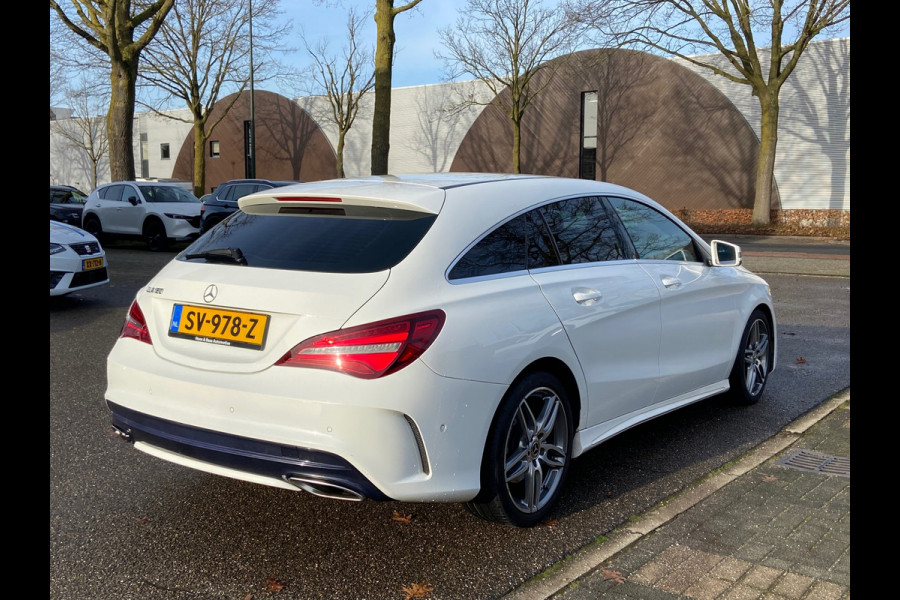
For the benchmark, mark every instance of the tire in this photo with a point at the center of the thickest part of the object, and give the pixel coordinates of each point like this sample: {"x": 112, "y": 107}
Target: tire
{"x": 155, "y": 236}
{"x": 753, "y": 362}
{"x": 92, "y": 226}
{"x": 528, "y": 453}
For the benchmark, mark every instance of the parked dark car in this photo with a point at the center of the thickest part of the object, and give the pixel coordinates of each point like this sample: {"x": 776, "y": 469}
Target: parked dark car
{"x": 66, "y": 204}
{"x": 223, "y": 200}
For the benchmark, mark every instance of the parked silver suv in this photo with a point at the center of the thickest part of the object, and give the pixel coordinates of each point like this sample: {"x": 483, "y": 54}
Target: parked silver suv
{"x": 158, "y": 212}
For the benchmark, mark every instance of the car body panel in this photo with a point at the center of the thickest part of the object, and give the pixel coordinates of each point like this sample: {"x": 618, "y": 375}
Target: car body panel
{"x": 299, "y": 304}
{"x": 615, "y": 331}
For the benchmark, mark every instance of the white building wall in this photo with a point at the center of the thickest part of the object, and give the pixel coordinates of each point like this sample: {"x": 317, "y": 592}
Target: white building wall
{"x": 812, "y": 161}
{"x": 428, "y": 123}
{"x": 171, "y": 130}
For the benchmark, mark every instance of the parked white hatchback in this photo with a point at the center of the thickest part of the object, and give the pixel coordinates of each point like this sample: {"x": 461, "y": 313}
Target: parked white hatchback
{"x": 448, "y": 337}
{"x": 155, "y": 211}
{"x": 77, "y": 260}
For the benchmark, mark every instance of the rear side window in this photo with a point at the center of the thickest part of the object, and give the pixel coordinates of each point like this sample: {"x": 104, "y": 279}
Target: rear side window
{"x": 582, "y": 230}
{"x": 340, "y": 240}
{"x": 516, "y": 245}
{"x": 655, "y": 236}
{"x": 239, "y": 190}
{"x": 112, "y": 192}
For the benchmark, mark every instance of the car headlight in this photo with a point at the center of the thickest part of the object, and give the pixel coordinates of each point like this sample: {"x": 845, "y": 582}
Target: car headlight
{"x": 56, "y": 248}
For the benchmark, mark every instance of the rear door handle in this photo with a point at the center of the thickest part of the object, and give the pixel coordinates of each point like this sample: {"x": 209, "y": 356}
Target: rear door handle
{"x": 671, "y": 282}
{"x": 586, "y": 296}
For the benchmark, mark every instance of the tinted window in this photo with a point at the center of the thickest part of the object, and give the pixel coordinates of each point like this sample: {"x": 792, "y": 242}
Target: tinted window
{"x": 112, "y": 192}
{"x": 517, "y": 245}
{"x": 240, "y": 190}
{"x": 654, "y": 235}
{"x": 582, "y": 230}
{"x": 330, "y": 241}
{"x": 167, "y": 193}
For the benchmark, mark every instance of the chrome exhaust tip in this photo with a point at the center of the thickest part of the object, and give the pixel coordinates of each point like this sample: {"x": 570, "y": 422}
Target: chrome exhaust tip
{"x": 125, "y": 434}
{"x": 324, "y": 489}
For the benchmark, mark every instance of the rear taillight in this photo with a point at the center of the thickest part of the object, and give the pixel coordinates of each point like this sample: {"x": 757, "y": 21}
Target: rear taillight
{"x": 136, "y": 325}
{"x": 371, "y": 350}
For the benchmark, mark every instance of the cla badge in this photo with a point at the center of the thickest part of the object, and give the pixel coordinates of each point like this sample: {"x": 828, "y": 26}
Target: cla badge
{"x": 210, "y": 294}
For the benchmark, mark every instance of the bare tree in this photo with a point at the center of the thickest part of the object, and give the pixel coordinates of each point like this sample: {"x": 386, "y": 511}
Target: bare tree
{"x": 346, "y": 78}
{"x": 111, "y": 27}
{"x": 84, "y": 131}
{"x": 702, "y": 31}
{"x": 507, "y": 44}
{"x": 202, "y": 53}
{"x": 385, "y": 12}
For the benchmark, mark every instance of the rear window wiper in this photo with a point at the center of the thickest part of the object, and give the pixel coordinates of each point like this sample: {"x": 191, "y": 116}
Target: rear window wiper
{"x": 220, "y": 255}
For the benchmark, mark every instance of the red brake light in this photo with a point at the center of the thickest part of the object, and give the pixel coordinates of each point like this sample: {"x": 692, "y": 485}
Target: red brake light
{"x": 306, "y": 199}
{"x": 136, "y": 325}
{"x": 369, "y": 351}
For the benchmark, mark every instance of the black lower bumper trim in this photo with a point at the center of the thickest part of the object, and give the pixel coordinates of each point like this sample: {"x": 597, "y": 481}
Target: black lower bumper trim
{"x": 249, "y": 455}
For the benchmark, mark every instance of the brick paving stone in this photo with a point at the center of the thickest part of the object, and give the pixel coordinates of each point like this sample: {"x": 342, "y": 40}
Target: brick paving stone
{"x": 708, "y": 588}
{"x": 753, "y": 551}
{"x": 730, "y": 569}
{"x": 761, "y": 577}
{"x": 792, "y": 586}
{"x": 825, "y": 590}
{"x": 742, "y": 592}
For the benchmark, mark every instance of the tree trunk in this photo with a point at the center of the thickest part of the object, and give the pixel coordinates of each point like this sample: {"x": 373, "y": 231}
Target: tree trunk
{"x": 120, "y": 119}
{"x": 765, "y": 166}
{"x": 199, "y": 158}
{"x": 384, "y": 54}
{"x": 517, "y": 144}
{"x": 340, "y": 154}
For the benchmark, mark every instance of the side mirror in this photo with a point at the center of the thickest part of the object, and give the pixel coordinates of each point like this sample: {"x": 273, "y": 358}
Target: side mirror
{"x": 134, "y": 200}
{"x": 725, "y": 254}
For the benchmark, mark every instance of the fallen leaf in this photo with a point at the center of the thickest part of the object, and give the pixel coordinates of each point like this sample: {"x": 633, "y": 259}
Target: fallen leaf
{"x": 273, "y": 585}
{"x": 418, "y": 590}
{"x": 248, "y": 597}
{"x": 550, "y": 523}
{"x": 143, "y": 521}
{"x": 800, "y": 360}
{"x": 611, "y": 575}
{"x": 402, "y": 518}
{"x": 769, "y": 478}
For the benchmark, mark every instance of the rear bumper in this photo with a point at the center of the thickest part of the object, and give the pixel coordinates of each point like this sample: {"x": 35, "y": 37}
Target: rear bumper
{"x": 413, "y": 436}
{"x": 315, "y": 471}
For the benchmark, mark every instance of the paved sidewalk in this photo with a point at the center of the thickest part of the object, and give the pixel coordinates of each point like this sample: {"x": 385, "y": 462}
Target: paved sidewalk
{"x": 772, "y": 525}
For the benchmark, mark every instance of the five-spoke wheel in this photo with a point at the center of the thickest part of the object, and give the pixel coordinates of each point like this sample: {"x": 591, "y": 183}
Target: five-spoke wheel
{"x": 528, "y": 454}
{"x": 752, "y": 363}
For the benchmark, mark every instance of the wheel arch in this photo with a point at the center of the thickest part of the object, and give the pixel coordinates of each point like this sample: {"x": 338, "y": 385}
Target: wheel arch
{"x": 152, "y": 219}
{"x": 566, "y": 377}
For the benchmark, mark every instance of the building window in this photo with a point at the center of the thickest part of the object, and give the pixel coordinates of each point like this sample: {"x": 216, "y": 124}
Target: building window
{"x": 164, "y": 151}
{"x": 214, "y": 149}
{"x": 588, "y": 167}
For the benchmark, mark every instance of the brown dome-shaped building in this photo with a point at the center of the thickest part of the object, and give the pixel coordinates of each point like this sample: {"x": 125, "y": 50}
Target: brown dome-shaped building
{"x": 630, "y": 118}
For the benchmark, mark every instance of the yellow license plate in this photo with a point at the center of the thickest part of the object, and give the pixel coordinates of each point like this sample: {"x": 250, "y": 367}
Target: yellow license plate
{"x": 219, "y": 326}
{"x": 92, "y": 263}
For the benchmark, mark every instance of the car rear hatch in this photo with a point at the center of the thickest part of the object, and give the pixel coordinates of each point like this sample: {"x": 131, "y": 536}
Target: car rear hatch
{"x": 293, "y": 263}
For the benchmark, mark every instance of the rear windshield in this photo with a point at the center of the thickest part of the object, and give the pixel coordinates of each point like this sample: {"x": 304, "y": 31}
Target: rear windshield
{"x": 336, "y": 241}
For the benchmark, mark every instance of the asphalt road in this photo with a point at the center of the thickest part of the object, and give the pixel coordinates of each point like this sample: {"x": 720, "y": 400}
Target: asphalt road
{"x": 124, "y": 525}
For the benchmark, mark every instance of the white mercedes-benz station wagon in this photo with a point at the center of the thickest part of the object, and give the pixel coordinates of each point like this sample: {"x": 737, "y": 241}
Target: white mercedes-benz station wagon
{"x": 453, "y": 337}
